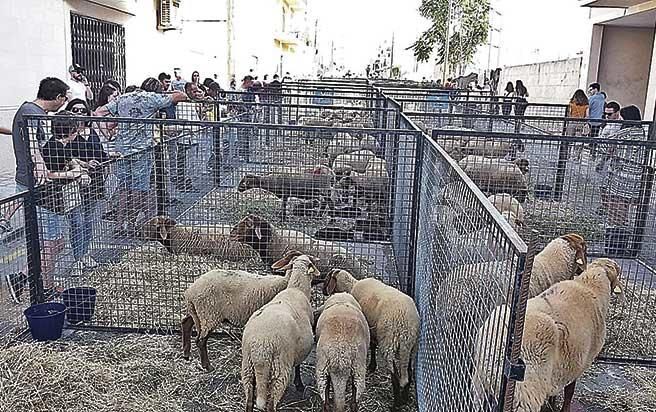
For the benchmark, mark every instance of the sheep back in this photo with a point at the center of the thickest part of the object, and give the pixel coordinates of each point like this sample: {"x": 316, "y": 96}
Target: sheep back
{"x": 229, "y": 296}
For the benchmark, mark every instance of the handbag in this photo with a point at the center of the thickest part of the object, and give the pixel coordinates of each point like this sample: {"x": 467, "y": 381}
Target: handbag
{"x": 60, "y": 198}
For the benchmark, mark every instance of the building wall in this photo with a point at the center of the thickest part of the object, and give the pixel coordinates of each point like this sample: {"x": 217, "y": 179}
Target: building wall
{"x": 624, "y": 64}
{"x": 547, "y": 82}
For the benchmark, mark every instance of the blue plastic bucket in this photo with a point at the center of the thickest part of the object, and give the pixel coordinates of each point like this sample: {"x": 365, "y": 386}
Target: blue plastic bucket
{"x": 80, "y": 303}
{"x": 46, "y": 320}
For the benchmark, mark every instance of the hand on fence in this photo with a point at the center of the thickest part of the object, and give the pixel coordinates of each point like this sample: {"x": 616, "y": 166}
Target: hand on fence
{"x": 85, "y": 180}
{"x": 40, "y": 173}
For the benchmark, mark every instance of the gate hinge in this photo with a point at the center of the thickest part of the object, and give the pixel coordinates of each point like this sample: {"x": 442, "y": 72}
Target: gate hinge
{"x": 515, "y": 371}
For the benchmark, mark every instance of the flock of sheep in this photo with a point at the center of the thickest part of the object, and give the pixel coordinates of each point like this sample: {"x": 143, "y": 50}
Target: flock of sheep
{"x": 565, "y": 318}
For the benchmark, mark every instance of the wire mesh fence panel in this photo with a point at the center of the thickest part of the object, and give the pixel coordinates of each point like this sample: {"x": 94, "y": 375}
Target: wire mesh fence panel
{"x": 467, "y": 267}
{"x": 600, "y": 188}
{"x": 139, "y": 226}
{"x": 15, "y": 291}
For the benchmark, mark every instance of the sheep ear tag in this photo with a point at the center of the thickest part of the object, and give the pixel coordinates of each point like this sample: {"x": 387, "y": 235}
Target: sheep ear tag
{"x": 617, "y": 290}
{"x": 579, "y": 261}
{"x": 258, "y": 233}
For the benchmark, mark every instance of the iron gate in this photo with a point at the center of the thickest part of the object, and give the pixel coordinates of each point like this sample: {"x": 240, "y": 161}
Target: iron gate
{"x": 98, "y": 46}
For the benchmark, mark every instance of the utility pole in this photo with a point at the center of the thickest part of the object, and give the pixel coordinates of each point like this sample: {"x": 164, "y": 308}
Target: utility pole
{"x": 392, "y": 57}
{"x": 447, "y": 38}
{"x": 230, "y": 69}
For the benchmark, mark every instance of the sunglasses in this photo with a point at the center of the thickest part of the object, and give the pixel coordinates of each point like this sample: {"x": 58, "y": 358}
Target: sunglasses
{"x": 79, "y": 110}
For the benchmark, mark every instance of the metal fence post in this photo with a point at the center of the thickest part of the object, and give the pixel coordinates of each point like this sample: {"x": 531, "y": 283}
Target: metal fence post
{"x": 414, "y": 218}
{"x": 514, "y": 367}
{"x": 646, "y": 190}
{"x": 160, "y": 185}
{"x": 32, "y": 243}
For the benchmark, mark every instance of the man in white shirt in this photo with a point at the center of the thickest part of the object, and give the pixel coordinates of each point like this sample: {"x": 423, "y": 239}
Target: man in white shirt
{"x": 79, "y": 84}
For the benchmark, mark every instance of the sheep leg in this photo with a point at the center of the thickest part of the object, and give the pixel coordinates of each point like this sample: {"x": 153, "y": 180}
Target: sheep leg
{"x": 187, "y": 325}
{"x": 396, "y": 387}
{"x": 567, "y": 399}
{"x": 298, "y": 382}
{"x": 354, "y": 396}
{"x": 326, "y": 406}
{"x": 372, "y": 361}
{"x": 552, "y": 403}
{"x": 204, "y": 358}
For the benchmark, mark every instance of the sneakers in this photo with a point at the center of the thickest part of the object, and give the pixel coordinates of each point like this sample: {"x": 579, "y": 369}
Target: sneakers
{"x": 89, "y": 262}
{"x": 15, "y": 284}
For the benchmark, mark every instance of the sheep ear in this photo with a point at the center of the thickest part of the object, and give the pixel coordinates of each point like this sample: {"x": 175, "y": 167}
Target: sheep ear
{"x": 330, "y": 285}
{"x": 578, "y": 244}
{"x": 284, "y": 263}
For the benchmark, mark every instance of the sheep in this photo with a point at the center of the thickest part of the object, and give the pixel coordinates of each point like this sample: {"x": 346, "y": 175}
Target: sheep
{"x": 394, "y": 323}
{"x": 484, "y": 146}
{"x": 564, "y": 331}
{"x": 504, "y": 202}
{"x": 562, "y": 259}
{"x": 497, "y": 175}
{"x": 278, "y": 337}
{"x": 302, "y": 186}
{"x": 345, "y": 143}
{"x": 220, "y": 296}
{"x": 372, "y": 184}
{"x": 209, "y": 240}
{"x": 342, "y": 346}
{"x": 271, "y": 243}
{"x": 355, "y": 161}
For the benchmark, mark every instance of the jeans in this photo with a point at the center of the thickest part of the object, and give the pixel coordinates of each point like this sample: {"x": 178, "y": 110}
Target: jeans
{"x": 82, "y": 224}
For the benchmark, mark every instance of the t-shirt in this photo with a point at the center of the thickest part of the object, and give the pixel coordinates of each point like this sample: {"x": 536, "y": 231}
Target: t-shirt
{"x": 87, "y": 150}
{"x": 56, "y": 156}
{"x": 577, "y": 110}
{"x": 134, "y": 137}
{"x": 20, "y": 149}
{"x": 597, "y": 106}
{"x": 78, "y": 90}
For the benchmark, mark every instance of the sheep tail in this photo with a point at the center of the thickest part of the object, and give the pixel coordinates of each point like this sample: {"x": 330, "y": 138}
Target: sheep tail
{"x": 262, "y": 361}
{"x": 405, "y": 353}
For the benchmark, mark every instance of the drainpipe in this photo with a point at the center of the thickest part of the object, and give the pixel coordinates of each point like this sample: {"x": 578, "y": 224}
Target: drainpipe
{"x": 230, "y": 37}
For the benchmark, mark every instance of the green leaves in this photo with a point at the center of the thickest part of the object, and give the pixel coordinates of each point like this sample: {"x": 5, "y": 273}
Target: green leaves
{"x": 469, "y": 29}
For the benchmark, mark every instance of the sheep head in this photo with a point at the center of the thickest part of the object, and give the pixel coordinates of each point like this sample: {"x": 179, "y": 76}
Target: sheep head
{"x": 523, "y": 165}
{"x": 330, "y": 283}
{"x": 613, "y": 271}
{"x": 580, "y": 246}
{"x": 249, "y": 181}
{"x": 252, "y": 230}
{"x": 293, "y": 258}
{"x": 158, "y": 228}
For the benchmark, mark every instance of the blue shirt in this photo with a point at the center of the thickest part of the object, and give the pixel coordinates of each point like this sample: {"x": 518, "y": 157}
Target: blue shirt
{"x": 597, "y": 105}
{"x": 134, "y": 137}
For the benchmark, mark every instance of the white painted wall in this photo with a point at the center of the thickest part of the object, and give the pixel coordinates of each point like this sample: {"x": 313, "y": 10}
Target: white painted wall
{"x": 547, "y": 82}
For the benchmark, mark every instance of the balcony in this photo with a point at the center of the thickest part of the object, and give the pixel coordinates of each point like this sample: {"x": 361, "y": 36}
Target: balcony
{"x": 617, "y": 4}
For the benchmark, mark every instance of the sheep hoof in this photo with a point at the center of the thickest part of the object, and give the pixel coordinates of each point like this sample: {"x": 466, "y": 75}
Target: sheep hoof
{"x": 208, "y": 368}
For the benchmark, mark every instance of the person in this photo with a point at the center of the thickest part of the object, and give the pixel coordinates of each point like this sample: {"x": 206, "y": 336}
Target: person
{"x": 165, "y": 79}
{"x": 625, "y": 170}
{"x": 62, "y": 197}
{"x": 134, "y": 143}
{"x": 508, "y": 97}
{"x": 131, "y": 88}
{"x": 521, "y": 98}
{"x": 195, "y": 78}
{"x": 287, "y": 78}
{"x": 191, "y": 110}
{"x": 596, "y": 109}
{"x": 79, "y": 85}
{"x": 51, "y": 96}
{"x": 87, "y": 148}
{"x": 612, "y": 125}
{"x": 275, "y": 96}
{"x": 179, "y": 82}
{"x": 5, "y": 130}
{"x": 577, "y": 109}
{"x": 113, "y": 83}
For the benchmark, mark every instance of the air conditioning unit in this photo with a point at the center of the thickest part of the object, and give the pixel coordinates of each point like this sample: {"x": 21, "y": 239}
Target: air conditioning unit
{"x": 169, "y": 15}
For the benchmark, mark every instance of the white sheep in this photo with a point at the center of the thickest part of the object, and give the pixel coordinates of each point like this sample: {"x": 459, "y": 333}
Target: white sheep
{"x": 195, "y": 240}
{"x": 221, "y": 296}
{"x": 562, "y": 259}
{"x": 393, "y": 321}
{"x": 278, "y": 337}
{"x": 497, "y": 175}
{"x": 272, "y": 243}
{"x": 506, "y": 203}
{"x": 342, "y": 346}
{"x": 355, "y": 161}
{"x": 564, "y": 331}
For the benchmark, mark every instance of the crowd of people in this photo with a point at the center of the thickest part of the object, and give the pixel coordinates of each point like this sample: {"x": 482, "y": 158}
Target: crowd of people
{"x": 65, "y": 158}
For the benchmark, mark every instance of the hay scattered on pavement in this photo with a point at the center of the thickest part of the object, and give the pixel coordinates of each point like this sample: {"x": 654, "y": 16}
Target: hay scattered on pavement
{"x": 618, "y": 388}
{"x": 98, "y": 372}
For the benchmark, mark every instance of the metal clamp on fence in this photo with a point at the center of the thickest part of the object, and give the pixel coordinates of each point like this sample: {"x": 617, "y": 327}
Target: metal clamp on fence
{"x": 514, "y": 371}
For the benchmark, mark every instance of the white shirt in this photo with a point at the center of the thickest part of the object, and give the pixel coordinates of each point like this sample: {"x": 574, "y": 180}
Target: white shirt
{"x": 78, "y": 90}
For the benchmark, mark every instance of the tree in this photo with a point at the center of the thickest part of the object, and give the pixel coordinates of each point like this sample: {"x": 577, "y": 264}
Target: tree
{"x": 469, "y": 29}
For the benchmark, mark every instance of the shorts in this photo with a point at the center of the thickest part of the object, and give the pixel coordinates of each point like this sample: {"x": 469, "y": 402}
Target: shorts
{"x": 133, "y": 172}
{"x": 51, "y": 225}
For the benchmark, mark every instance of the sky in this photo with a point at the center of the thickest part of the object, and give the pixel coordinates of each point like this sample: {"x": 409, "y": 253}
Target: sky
{"x": 531, "y": 30}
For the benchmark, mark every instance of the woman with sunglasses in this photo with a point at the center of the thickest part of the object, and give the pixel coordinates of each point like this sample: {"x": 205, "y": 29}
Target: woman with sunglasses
{"x": 88, "y": 148}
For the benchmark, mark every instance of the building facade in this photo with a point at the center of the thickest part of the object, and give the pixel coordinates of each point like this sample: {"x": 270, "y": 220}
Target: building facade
{"x": 621, "y": 55}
